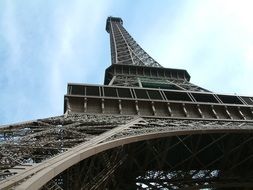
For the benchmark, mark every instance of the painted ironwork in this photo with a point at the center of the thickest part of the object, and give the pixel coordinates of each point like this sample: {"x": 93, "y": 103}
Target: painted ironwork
{"x": 147, "y": 127}
{"x": 124, "y": 49}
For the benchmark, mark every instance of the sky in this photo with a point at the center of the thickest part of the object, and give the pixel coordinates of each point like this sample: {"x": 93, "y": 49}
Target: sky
{"x": 46, "y": 44}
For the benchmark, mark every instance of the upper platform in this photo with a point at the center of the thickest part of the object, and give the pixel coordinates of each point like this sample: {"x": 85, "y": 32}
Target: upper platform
{"x": 147, "y": 72}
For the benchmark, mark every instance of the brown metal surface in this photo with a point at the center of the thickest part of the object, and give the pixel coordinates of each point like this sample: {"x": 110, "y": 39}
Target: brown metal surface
{"x": 147, "y": 127}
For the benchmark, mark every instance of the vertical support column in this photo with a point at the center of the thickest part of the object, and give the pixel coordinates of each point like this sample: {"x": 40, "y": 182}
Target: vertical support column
{"x": 85, "y": 105}
{"x": 169, "y": 109}
{"x": 68, "y": 108}
{"x": 103, "y": 105}
{"x": 120, "y": 107}
{"x": 251, "y": 110}
{"x": 114, "y": 44}
{"x": 137, "y": 107}
{"x": 153, "y": 108}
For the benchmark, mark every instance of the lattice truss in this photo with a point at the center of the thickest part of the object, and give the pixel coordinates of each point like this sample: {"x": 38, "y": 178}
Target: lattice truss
{"x": 29, "y": 143}
{"x": 179, "y": 153}
{"x": 126, "y": 81}
{"x": 124, "y": 48}
{"x": 180, "y": 161}
{"x": 183, "y": 160}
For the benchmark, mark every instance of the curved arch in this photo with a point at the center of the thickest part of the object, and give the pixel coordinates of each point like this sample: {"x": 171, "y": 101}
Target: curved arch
{"x": 58, "y": 164}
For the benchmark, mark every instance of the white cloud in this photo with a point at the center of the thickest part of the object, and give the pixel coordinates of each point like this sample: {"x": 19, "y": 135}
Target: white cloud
{"x": 35, "y": 77}
{"x": 212, "y": 40}
{"x": 12, "y": 35}
{"x": 76, "y": 27}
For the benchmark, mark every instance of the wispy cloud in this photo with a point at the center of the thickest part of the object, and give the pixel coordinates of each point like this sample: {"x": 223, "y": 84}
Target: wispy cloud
{"x": 212, "y": 40}
{"x": 46, "y": 47}
{"x": 46, "y": 44}
{"x": 75, "y": 37}
{"x": 11, "y": 36}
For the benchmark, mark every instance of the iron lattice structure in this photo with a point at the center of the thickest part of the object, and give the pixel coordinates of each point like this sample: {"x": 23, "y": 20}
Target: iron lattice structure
{"x": 147, "y": 127}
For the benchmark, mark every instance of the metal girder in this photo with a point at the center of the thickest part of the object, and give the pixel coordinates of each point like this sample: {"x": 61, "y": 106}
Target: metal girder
{"x": 124, "y": 49}
{"x": 33, "y": 143}
{"x": 151, "y": 164}
{"x": 45, "y": 145}
{"x": 63, "y": 133}
{"x": 148, "y": 127}
{"x": 82, "y": 98}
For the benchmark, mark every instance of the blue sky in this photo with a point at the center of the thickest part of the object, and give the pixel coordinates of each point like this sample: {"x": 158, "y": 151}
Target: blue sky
{"x": 45, "y": 44}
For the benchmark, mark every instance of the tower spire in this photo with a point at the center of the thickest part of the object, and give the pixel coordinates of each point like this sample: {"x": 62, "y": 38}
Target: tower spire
{"x": 124, "y": 49}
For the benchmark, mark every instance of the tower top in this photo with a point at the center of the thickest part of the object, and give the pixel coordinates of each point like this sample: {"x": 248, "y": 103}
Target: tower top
{"x": 112, "y": 19}
{"x": 124, "y": 49}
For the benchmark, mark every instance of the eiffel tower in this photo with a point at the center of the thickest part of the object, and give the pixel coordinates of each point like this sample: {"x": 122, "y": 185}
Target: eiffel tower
{"x": 148, "y": 127}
